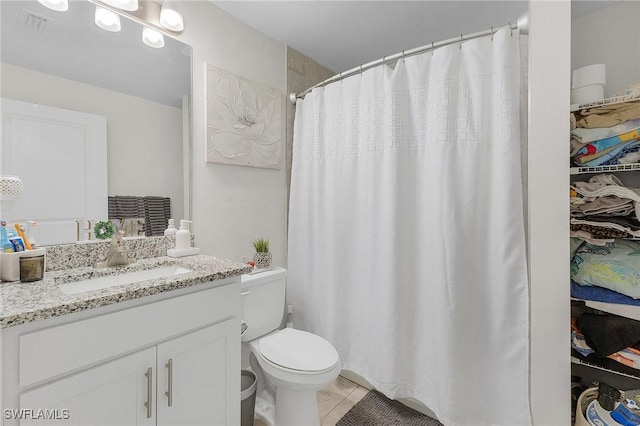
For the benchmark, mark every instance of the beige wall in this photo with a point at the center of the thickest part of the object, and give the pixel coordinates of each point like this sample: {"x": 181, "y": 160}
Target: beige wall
{"x": 233, "y": 205}
{"x": 143, "y": 158}
{"x": 302, "y": 73}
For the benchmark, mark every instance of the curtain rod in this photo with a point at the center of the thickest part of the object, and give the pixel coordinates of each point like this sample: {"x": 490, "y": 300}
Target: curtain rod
{"x": 522, "y": 23}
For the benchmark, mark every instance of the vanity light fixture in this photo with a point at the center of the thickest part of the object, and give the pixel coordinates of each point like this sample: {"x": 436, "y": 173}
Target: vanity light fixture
{"x": 128, "y": 5}
{"x": 152, "y": 38}
{"x": 107, "y": 20}
{"x": 57, "y": 5}
{"x": 170, "y": 16}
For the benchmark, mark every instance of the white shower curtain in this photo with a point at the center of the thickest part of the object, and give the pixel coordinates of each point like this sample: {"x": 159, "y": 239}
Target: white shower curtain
{"x": 406, "y": 235}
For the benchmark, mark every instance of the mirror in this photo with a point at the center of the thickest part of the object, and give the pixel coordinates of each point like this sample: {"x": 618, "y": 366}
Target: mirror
{"x": 64, "y": 61}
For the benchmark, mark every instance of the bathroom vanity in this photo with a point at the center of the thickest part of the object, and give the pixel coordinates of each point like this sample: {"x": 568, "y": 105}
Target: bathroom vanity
{"x": 161, "y": 351}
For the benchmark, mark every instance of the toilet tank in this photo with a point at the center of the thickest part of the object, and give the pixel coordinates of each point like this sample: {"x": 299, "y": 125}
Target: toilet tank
{"x": 263, "y": 295}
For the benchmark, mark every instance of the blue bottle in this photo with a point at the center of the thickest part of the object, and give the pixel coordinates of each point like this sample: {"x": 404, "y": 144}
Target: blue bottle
{"x": 5, "y": 244}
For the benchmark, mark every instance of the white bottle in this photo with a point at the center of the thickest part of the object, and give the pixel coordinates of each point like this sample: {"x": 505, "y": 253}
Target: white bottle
{"x": 183, "y": 236}
{"x": 171, "y": 229}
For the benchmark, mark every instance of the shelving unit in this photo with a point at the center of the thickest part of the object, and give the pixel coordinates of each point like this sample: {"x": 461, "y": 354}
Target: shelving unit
{"x": 579, "y": 170}
{"x": 627, "y": 311}
{"x": 577, "y": 361}
{"x": 594, "y": 373}
{"x": 608, "y": 101}
{"x": 588, "y": 371}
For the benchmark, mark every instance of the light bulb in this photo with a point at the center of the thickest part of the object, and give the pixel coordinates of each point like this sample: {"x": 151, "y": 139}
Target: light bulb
{"x": 107, "y": 20}
{"x": 152, "y": 38}
{"x": 57, "y": 5}
{"x": 170, "y": 16}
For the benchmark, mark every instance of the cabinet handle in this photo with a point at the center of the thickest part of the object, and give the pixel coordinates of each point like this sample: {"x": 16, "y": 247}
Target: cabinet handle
{"x": 149, "y": 377}
{"x": 169, "y": 392}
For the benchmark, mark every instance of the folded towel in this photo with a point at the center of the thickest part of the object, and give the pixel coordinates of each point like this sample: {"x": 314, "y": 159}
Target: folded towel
{"x": 600, "y": 294}
{"x": 608, "y": 334}
{"x": 584, "y": 136}
{"x": 601, "y": 144}
{"x": 612, "y": 155}
{"x": 593, "y": 239}
{"x": 156, "y": 211}
{"x": 609, "y": 205}
{"x": 629, "y": 228}
{"x": 603, "y": 185}
{"x": 608, "y": 115}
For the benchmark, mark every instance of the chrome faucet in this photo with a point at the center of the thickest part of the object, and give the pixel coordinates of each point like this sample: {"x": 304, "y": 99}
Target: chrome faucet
{"x": 117, "y": 255}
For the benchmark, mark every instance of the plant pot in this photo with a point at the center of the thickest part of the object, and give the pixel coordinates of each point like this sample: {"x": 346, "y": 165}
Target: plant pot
{"x": 262, "y": 259}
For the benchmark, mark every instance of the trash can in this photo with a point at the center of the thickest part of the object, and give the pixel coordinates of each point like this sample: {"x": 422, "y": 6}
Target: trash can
{"x": 247, "y": 397}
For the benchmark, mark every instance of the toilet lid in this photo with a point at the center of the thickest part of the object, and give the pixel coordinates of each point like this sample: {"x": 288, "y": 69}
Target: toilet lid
{"x": 298, "y": 350}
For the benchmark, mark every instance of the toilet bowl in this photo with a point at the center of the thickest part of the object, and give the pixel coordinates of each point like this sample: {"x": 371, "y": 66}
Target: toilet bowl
{"x": 291, "y": 365}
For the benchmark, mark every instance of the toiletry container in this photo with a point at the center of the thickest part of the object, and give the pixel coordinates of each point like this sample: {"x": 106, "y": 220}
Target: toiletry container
{"x": 33, "y": 268}
{"x": 183, "y": 236}
{"x": 32, "y": 265}
{"x": 183, "y": 242}
{"x": 171, "y": 228}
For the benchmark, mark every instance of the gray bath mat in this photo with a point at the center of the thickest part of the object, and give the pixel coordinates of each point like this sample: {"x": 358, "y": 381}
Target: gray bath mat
{"x": 376, "y": 409}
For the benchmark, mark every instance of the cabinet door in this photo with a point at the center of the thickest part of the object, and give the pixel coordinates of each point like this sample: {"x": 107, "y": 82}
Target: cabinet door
{"x": 201, "y": 373}
{"x": 114, "y": 393}
{"x": 70, "y": 145}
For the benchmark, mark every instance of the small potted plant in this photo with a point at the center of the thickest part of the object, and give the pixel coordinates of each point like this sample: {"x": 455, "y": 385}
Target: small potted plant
{"x": 262, "y": 256}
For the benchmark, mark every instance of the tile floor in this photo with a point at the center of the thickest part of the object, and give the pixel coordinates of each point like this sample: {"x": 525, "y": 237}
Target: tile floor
{"x": 335, "y": 401}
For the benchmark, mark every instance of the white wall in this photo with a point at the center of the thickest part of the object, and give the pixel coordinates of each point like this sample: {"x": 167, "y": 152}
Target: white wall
{"x": 548, "y": 211}
{"x": 144, "y": 138}
{"x": 610, "y": 36}
{"x": 232, "y": 205}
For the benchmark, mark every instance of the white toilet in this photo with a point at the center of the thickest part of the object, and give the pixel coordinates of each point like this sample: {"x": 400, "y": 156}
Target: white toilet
{"x": 291, "y": 365}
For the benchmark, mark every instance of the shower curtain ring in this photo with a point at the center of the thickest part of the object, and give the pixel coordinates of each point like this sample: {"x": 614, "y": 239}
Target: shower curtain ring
{"x": 403, "y": 56}
{"x": 432, "y": 49}
{"x": 461, "y": 41}
{"x": 492, "y": 33}
{"x": 360, "y": 70}
{"x": 511, "y": 28}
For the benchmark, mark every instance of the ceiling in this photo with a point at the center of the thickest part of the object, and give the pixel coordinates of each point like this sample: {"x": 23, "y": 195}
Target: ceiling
{"x": 337, "y": 34}
{"x": 344, "y": 34}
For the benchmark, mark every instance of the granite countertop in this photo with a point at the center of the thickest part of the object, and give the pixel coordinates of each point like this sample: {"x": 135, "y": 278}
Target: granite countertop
{"x": 32, "y": 301}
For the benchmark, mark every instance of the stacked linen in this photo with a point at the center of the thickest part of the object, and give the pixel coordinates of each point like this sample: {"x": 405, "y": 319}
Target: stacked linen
{"x": 603, "y": 208}
{"x": 155, "y": 211}
{"x": 606, "y": 135}
{"x": 614, "y": 266}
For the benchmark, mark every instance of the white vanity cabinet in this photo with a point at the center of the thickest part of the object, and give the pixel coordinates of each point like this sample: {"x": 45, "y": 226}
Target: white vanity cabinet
{"x": 113, "y": 393}
{"x": 192, "y": 377}
{"x": 167, "y": 359}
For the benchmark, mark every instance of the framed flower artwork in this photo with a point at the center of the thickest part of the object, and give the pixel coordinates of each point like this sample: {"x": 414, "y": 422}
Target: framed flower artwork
{"x": 244, "y": 121}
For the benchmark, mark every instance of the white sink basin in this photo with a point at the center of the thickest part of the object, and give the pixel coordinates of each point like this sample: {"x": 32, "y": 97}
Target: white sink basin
{"x": 98, "y": 283}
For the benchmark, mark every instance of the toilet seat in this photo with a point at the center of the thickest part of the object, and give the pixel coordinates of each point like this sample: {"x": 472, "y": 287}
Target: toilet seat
{"x": 298, "y": 350}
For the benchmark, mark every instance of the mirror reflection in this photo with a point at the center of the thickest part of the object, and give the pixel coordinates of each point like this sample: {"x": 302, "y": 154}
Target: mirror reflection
{"x": 110, "y": 114}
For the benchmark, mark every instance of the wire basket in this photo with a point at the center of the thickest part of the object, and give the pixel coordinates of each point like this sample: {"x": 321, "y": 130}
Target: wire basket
{"x": 10, "y": 188}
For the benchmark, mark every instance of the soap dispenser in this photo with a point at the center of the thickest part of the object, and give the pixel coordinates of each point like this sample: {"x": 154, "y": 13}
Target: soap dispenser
{"x": 183, "y": 236}
{"x": 171, "y": 228}
{"x": 183, "y": 242}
